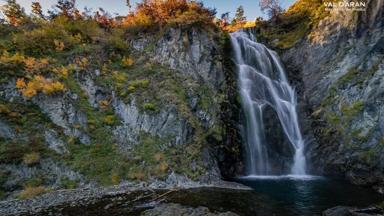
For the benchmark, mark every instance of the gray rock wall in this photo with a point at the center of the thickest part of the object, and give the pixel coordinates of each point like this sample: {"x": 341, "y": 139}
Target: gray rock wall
{"x": 341, "y": 67}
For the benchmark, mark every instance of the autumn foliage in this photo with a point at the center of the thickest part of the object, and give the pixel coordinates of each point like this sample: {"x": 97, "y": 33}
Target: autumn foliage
{"x": 155, "y": 13}
{"x": 38, "y": 84}
{"x": 47, "y": 49}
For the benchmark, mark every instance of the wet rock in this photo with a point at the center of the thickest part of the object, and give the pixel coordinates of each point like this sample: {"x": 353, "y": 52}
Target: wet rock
{"x": 351, "y": 211}
{"x": 170, "y": 209}
{"x": 118, "y": 200}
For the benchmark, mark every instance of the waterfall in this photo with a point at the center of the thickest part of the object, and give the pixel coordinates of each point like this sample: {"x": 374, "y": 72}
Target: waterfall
{"x": 262, "y": 83}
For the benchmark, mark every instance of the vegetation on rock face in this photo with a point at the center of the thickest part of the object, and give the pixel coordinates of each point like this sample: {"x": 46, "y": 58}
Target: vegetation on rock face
{"x": 289, "y": 27}
{"x": 52, "y": 57}
{"x": 30, "y": 192}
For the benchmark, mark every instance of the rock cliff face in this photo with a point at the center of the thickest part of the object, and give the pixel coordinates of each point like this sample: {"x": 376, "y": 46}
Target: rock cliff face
{"x": 340, "y": 65}
{"x": 163, "y": 121}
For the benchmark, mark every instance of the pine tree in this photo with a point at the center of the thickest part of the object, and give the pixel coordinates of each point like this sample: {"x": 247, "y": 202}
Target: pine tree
{"x": 239, "y": 16}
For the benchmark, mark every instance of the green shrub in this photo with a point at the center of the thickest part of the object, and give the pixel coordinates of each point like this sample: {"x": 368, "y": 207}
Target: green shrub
{"x": 149, "y": 106}
{"x": 32, "y": 158}
{"x": 67, "y": 183}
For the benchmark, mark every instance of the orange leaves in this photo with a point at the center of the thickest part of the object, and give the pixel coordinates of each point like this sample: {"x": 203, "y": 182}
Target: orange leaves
{"x": 20, "y": 83}
{"x": 33, "y": 65}
{"x": 38, "y": 84}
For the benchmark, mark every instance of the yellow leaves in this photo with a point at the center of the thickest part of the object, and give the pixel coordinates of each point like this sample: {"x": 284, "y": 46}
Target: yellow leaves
{"x": 127, "y": 61}
{"x": 237, "y": 26}
{"x": 50, "y": 88}
{"x": 7, "y": 58}
{"x": 82, "y": 63}
{"x": 249, "y": 24}
{"x": 4, "y": 109}
{"x": 63, "y": 71}
{"x": 163, "y": 167}
{"x": 109, "y": 120}
{"x": 59, "y": 45}
{"x": 119, "y": 77}
{"x": 31, "y": 65}
{"x": 115, "y": 178}
{"x": 104, "y": 69}
{"x": 38, "y": 84}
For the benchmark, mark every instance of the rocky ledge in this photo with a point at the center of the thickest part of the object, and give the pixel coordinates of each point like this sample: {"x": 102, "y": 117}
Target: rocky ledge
{"x": 351, "y": 211}
{"x": 132, "y": 200}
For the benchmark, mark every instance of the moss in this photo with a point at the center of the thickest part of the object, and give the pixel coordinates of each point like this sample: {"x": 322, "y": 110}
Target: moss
{"x": 351, "y": 111}
{"x": 150, "y": 107}
{"x": 3, "y": 179}
{"x": 357, "y": 135}
{"x": 348, "y": 77}
{"x": 158, "y": 161}
{"x": 97, "y": 118}
{"x": 97, "y": 161}
{"x": 67, "y": 183}
{"x": 27, "y": 121}
{"x": 369, "y": 156}
{"x": 381, "y": 143}
{"x": 34, "y": 182}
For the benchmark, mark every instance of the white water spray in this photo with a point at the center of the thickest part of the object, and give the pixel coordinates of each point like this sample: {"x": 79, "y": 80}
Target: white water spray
{"x": 262, "y": 83}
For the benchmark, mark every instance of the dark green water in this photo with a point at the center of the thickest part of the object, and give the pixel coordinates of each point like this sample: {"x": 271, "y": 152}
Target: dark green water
{"x": 310, "y": 196}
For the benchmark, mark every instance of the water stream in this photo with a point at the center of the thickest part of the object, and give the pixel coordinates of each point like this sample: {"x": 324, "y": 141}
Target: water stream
{"x": 263, "y": 85}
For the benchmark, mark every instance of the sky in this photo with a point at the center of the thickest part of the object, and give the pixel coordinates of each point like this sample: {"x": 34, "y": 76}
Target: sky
{"x": 251, "y": 7}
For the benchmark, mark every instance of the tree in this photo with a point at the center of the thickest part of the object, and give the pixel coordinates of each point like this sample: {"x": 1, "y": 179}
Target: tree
{"x": 150, "y": 13}
{"x": 66, "y": 8}
{"x": 239, "y": 16}
{"x": 129, "y": 4}
{"x": 14, "y": 13}
{"x": 272, "y": 7}
{"x": 104, "y": 19}
{"x": 37, "y": 10}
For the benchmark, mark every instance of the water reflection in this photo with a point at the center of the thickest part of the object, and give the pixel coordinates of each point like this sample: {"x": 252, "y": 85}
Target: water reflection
{"x": 311, "y": 196}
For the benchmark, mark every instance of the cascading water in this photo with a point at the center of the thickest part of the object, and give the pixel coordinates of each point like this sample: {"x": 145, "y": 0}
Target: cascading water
{"x": 262, "y": 82}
